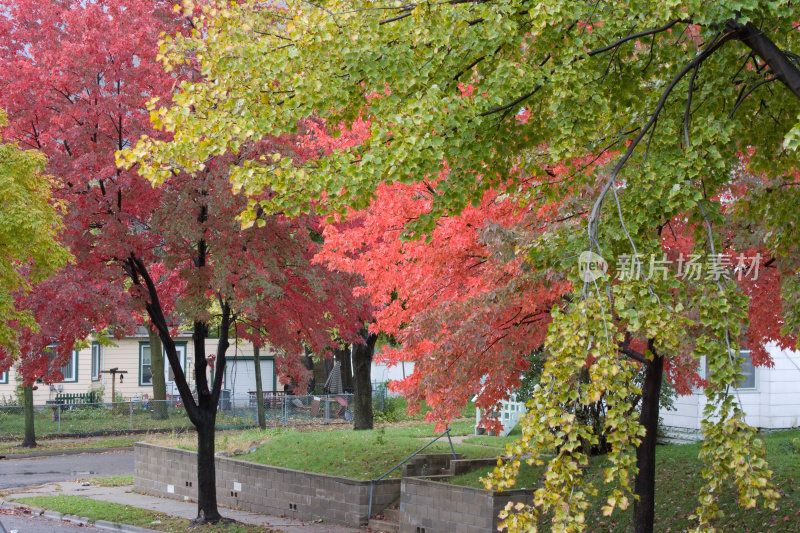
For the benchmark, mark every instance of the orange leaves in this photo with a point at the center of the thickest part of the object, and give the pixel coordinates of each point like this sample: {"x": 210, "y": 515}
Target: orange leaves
{"x": 457, "y": 301}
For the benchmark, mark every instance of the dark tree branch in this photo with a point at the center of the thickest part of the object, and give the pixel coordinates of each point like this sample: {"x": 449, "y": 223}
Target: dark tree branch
{"x": 594, "y": 217}
{"x": 745, "y": 94}
{"x": 638, "y": 35}
{"x": 785, "y": 70}
{"x": 137, "y": 271}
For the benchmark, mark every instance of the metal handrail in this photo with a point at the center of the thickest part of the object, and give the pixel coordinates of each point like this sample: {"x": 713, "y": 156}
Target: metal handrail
{"x": 404, "y": 461}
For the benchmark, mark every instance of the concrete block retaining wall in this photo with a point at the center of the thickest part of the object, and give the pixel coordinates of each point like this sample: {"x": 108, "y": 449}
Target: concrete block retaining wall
{"x": 172, "y": 473}
{"x": 435, "y": 507}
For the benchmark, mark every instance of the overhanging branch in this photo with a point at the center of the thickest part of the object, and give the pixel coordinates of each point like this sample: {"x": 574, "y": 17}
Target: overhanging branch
{"x": 784, "y": 69}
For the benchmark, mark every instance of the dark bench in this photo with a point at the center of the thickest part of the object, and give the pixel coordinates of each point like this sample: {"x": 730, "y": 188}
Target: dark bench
{"x": 74, "y": 398}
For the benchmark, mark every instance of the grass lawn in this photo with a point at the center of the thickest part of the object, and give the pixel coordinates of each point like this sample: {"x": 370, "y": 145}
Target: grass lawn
{"x": 678, "y": 480}
{"x": 236, "y": 442}
{"x": 69, "y": 444}
{"x": 125, "y": 514}
{"x": 102, "y": 419}
{"x": 355, "y": 454}
{"x": 496, "y": 442}
{"x": 109, "y": 481}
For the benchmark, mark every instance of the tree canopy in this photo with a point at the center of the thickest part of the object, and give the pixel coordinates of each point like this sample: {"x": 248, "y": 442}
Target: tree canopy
{"x": 694, "y": 105}
{"x": 28, "y": 228}
{"x": 76, "y": 76}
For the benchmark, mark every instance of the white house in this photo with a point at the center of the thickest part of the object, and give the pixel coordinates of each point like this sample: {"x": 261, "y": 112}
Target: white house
{"x": 770, "y": 397}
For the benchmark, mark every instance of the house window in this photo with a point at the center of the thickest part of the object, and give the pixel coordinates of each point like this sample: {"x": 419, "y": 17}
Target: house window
{"x": 145, "y": 360}
{"x": 70, "y": 370}
{"x": 748, "y": 371}
{"x": 4, "y": 378}
{"x": 97, "y": 360}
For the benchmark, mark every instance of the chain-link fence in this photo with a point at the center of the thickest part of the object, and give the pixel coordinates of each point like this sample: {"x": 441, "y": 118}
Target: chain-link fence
{"x": 143, "y": 415}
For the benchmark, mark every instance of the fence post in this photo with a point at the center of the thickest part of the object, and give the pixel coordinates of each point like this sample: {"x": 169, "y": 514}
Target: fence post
{"x": 327, "y": 409}
{"x": 130, "y": 411}
{"x": 59, "y": 420}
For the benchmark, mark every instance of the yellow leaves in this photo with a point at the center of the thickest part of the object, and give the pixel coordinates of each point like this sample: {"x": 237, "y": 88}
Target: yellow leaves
{"x": 29, "y": 223}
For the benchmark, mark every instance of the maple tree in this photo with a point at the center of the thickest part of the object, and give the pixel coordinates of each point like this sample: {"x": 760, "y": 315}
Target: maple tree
{"x": 460, "y": 304}
{"x": 28, "y": 225}
{"x": 691, "y": 99}
{"x": 75, "y": 79}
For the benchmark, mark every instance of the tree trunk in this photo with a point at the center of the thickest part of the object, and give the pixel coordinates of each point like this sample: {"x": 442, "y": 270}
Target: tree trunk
{"x": 203, "y": 410}
{"x": 645, "y": 486}
{"x": 262, "y": 423}
{"x": 206, "y": 473}
{"x": 157, "y": 370}
{"x": 362, "y": 363}
{"x": 30, "y": 432}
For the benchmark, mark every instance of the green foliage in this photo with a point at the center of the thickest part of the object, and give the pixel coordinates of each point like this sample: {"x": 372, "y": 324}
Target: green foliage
{"x": 679, "y": 479}
{"x": 28, "y": 227}
{"x": 668, "y": 95}
{"x": 98, "y": 394}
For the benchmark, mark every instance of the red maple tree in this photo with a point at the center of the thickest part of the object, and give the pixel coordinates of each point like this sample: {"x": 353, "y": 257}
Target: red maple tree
{"x": 76, "y": 81}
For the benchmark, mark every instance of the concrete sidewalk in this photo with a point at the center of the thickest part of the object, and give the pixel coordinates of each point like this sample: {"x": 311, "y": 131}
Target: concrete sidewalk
{"x": 125, "y": 496}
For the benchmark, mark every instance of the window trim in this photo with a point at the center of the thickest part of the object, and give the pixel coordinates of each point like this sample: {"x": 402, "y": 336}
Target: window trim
{"x": 74, "y": 362}
{"x": 4, "y": 378}
{"x": 97, "y": 365}
{"x": 142, "y": 344}
{"x": 747, "y": 354}
{"x": 742, "y": 352}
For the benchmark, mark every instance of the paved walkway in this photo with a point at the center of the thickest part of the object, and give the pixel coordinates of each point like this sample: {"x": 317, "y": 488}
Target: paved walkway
{"x": 24, "y": 472}
{"x": 124, "y": 495}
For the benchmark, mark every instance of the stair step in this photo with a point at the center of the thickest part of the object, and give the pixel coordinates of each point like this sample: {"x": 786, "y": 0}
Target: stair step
{"x": 383, "y": 526}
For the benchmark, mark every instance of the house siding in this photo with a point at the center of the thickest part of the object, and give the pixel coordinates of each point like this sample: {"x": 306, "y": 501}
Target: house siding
{"x": 125, "y": 356}
{"x": 773, "y": 404}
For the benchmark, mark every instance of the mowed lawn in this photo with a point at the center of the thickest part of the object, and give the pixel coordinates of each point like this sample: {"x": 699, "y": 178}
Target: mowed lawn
{"x": 132, "y": 516}
{"x": 84, "y": 420}
{"x": 678, "y": 481}
{"x": 358, "y": 454}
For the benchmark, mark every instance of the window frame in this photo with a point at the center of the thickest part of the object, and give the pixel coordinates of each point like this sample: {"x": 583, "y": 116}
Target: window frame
{"x": 746, "y": 353}
{"x": 4, "y": 378}
{"x": 74, "y": 363}
{"x": 143, "y": 344}
{"x": 747, "y": 356}
{"x": 98, "y": 353}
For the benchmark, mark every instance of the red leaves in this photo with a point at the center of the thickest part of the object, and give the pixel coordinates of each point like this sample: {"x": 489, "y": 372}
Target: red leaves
{"x": 459, "y": 304}
{"x": 76, "y": 79}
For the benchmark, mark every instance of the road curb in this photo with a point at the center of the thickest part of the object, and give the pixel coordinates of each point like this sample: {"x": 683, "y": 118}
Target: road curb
{"x": 78, "y": 520}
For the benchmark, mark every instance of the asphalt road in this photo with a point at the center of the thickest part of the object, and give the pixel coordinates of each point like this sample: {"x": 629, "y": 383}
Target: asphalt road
{"x": 39, "y": 470}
